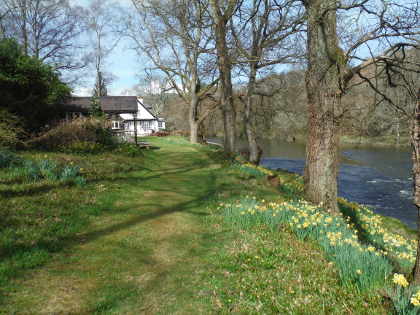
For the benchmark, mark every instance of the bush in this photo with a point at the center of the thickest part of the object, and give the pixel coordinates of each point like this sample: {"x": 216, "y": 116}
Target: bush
{"x": 10, "y": 130}
{"x": 30, "y": 89}
{"x": 8, "y": 159}
{"x": 79, "y": 135}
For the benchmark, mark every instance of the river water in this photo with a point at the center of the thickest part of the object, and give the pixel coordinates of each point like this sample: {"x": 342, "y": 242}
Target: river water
{"x": 376, "y": 177}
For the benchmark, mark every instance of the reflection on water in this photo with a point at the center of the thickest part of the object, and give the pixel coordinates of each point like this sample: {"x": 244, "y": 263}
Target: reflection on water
{"x": 379, "y": 178}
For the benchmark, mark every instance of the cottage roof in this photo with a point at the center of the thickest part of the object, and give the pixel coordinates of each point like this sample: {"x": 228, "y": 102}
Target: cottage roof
{"x": 109, "y": 104}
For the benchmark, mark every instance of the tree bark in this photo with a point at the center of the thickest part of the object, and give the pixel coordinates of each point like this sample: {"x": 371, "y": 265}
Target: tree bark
{"x": 193, "y": 116}
{"x": 225, "y": 69}
{"x": 324, "y": 102}
{"x": 254, "y": 150}
{"x": 415, "y": 142}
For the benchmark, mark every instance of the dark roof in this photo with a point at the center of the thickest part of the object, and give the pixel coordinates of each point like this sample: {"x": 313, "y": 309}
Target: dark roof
{"x": 109, "y": 104}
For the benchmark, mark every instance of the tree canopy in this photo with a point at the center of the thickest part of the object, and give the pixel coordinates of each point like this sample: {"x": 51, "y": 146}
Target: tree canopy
{"x": 29, "y": 89}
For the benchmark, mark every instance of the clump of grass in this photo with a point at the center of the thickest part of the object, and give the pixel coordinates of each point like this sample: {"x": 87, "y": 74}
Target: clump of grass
{"x": 128, "y": 149}
{"x": 33, "y": 171}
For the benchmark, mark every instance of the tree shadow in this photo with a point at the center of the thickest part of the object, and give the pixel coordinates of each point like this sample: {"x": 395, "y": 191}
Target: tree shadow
{"x": 364, "y": 236}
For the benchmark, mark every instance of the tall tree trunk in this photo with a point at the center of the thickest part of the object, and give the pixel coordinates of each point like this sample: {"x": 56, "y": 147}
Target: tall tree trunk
{"x": 193, "y": 118}
{"x": 194, "y": 103}
{"x": 226, "y": 99}
{"x": 225, "y": 69}
{"x": 415, "y": 142}
{"x": 325, "y": 59}
{"x": 254, "y": 151}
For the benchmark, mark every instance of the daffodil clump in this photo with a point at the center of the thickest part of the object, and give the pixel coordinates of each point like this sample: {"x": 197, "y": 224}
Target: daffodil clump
{"x": 394, "y": 245}
{"x": 406, "y": 299}
{"x": 253, "y": 170}
{"x": 364, "y": 266}
{"x": 294, "y": 188}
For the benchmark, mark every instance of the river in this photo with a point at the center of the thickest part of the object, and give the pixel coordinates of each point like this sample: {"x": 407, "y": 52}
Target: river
{"x": 377, "y": 177}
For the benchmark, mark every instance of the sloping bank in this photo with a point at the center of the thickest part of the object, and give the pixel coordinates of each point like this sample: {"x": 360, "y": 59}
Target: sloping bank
{"x": 370, "y": 253}
{"x": 186, "y": 230}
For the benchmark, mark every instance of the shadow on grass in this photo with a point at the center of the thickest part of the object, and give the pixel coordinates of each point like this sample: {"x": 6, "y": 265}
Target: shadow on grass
{"x": 165, "y": 279}
{"x": 196, "y": 187}
{"x": 28, "y": 189}
{"x": 364, "y": 237}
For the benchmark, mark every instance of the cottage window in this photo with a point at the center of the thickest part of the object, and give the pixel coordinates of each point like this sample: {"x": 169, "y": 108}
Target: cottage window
{"x": 147, "y": 125}
{"x": 115, "y": 124}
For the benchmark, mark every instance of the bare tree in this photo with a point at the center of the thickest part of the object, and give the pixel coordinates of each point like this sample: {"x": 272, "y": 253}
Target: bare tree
{"x": 176, "y": 39}
{"x": 396, "y": 81}
{"x": 262, "y": 32}
{"x": 46, "y": 29}
{"x": 157, "y": 90}
{"x": 222, "y": 12}
{"x": 329, "y": 74}
{"x": 102, "y": 19}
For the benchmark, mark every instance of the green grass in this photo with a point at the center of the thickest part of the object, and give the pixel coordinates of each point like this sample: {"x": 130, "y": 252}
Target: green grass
{"x": 379, "y": 141}
{"x": 145, "y": 235}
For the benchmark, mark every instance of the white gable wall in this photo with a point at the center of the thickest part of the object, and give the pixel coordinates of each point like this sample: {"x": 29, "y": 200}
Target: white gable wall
{"x": 143, "y": 113}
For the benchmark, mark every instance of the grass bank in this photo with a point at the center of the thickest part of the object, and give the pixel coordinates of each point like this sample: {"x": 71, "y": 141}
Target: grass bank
{"x": 163, "y": 233}
{"x": 379, "y": 142}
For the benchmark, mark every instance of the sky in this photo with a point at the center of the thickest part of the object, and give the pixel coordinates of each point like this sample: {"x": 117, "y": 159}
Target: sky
{"x": 123, "y": 63}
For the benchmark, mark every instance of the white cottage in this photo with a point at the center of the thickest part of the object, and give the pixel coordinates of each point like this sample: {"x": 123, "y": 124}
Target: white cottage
{"x": 125, "y": 113}
{"x": 144, "y": 120}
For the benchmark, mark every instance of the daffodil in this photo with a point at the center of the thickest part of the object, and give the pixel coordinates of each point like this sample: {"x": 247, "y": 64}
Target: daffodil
{"x": 400, "y": 280}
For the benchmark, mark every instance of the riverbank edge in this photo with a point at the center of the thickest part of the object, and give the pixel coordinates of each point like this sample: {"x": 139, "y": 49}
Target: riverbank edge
{"x": 391, "y": 223}
{"x": 349, "y": 142}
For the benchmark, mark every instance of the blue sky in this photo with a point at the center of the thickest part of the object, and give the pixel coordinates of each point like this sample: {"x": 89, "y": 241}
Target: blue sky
{"x": 123, "y": 63}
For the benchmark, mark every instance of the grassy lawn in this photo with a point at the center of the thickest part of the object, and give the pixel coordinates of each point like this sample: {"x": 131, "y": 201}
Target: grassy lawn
{"x": 146, "y": 235}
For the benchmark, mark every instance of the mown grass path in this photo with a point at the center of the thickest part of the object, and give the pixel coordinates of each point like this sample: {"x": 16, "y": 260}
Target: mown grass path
{"x": 139, "y": 256}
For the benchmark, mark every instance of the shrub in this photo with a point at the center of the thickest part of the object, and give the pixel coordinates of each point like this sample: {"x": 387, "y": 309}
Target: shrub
{"x": 8, "y": 159}
{"x": 10, "y": 130}
{"x": 75, "y": 134}
{"x": 29, "y": 89}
